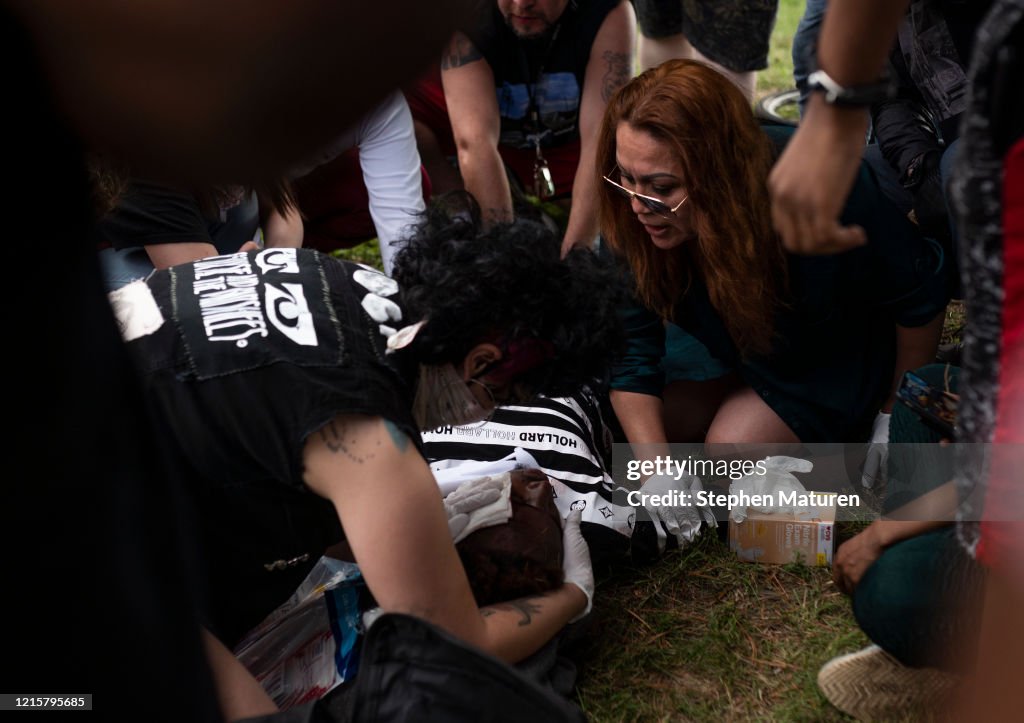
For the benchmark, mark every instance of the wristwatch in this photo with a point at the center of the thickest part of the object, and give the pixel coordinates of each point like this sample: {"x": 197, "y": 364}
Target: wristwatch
{"x": 854, "y": 96}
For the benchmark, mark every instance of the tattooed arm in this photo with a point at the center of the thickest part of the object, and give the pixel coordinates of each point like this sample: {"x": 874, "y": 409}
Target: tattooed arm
{"x": 610, "y": 67}
{"x": 473, "y": 109}
{"x": 390, "y": 508}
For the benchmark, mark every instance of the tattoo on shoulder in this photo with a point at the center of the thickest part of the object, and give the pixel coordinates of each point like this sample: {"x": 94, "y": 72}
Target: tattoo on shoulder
{"x": 461, "y": 51}
{"x": 397, "y": 436}
{"x": 340, "y": 439}
{"x": 616, "y": 75}
{"x": 526, "y": 608}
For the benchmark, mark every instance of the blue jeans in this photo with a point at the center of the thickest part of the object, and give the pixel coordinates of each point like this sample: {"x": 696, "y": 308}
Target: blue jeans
{"x": 805, "y": 46}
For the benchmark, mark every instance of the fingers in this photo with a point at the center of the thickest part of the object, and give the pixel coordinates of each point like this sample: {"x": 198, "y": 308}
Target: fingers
{"x": 809, "y": 185}
{"x": 573, "y": 519}
{"x": 810, "y": 226}
{"x": 790, "y": 464}
{"x": 840, "y": 581}
{"x": 473, "y": 500}
{"x": 576, "y": 562}
{"x": 457, "y": 524}
{"x": 671, "y": 524}
{"x": 801, "y": 233}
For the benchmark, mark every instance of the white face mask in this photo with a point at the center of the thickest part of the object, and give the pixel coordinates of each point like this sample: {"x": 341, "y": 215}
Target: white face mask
{"x": 443, "y": 398}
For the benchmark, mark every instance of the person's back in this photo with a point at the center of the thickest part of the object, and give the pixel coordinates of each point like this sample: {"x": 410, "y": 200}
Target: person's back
{"x": 270, "y": 344}
{"x": 147, "y": 225}
{"x": 292, "y": 383}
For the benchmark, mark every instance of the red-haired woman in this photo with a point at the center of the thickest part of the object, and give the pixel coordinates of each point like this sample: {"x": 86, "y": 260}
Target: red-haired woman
{"x": 810, "y": 347}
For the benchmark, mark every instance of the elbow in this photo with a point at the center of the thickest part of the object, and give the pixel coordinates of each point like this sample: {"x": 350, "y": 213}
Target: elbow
{"x": 473, "y": 146}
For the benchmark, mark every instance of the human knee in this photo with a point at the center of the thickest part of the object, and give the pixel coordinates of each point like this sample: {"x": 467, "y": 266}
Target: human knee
{"x": 884, "y": 598}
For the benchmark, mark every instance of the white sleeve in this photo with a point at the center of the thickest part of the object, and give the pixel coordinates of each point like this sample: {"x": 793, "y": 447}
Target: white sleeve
{"x": 391, "y": 172}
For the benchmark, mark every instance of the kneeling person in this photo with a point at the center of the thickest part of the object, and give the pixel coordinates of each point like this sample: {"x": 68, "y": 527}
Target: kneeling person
{"x": 294, "y": 385}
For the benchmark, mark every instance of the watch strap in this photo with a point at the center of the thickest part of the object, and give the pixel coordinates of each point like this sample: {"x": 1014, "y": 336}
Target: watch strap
{"x": 849, "y": 96}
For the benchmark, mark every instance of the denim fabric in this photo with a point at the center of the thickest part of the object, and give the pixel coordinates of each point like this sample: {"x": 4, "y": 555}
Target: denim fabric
{"x": 805, "y": 45}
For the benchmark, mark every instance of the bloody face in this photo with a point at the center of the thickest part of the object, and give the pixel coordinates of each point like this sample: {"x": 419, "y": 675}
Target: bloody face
{"x": 531, "y": 541}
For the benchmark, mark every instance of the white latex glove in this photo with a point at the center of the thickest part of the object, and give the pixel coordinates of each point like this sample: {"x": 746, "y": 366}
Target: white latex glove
{"x": 876, "y": 461}
{"x": 478, "y": 503}
{"x": 576, "y": 560}
{"x": 778, "y": 478}
{"x": 681, "y": 520}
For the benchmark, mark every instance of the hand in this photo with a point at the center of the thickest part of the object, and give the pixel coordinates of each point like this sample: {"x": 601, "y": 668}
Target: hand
{"x": 568, "y": 245}
{"x": 877, "y": 459}
{"x": 810, "y": 182}
{"x": 681, "y": 520}
{"x": 576, "y": 560}
{"x": 855, "y": 556}
{"x": 469, "y": 507}
{"x": 776, "y": 479}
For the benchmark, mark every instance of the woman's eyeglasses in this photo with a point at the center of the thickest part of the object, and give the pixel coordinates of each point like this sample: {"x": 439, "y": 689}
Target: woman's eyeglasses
{"x": 653, "y": 204}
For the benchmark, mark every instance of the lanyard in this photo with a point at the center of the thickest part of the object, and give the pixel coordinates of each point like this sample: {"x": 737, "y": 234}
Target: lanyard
{"x": 533, "y": 112}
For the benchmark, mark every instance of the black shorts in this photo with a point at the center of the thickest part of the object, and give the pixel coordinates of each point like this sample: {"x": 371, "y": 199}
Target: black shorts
{"x": 733, "y": 33}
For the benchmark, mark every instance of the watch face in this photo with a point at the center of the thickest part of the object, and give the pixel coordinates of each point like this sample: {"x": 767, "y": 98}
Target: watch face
{"x": 858, "y": 96}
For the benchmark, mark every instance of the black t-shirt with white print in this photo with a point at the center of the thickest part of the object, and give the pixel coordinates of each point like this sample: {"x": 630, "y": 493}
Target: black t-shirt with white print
{"x": 244, "y": 356}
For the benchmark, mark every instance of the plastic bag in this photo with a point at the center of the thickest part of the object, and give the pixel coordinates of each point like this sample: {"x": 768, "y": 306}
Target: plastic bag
{"x": 762, "y": 492}
{"x": 309, "y": 644}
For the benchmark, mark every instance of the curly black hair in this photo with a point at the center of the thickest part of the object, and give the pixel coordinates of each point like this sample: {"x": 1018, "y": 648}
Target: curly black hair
{"x": 508, "y": 282}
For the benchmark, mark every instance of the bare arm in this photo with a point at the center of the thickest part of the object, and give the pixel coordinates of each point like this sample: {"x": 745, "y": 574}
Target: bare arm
{"x": 640, "y": 416}
{"x": 813, "y": 177}
{"x": 283, "y": 229}
{"x": 390, "y": 508}
{"x": 930, "y": 511}
{"x": 164, "y": 255}
{"x": 239, "y": 694}
{"x": 473, "y": 108}
{"x": 609, "y": 68}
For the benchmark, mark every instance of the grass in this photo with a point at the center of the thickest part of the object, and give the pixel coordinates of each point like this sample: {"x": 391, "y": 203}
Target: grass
{"x": 367, "y": 253}
{"x": 701, "y": 636}
{"x": 779, "y": 73}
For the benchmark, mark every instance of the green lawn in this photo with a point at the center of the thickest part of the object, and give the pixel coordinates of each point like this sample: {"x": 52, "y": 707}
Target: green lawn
{"x": 779, "y": 73}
